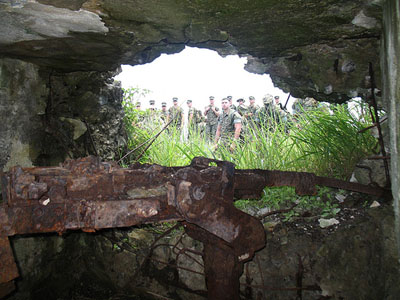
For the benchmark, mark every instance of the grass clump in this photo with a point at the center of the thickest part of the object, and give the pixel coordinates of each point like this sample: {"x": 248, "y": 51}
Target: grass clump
{"x": 325, "y": 142}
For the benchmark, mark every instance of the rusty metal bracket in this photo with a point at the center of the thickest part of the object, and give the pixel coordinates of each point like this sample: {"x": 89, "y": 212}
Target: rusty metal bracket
{"x": 89, "y": 195}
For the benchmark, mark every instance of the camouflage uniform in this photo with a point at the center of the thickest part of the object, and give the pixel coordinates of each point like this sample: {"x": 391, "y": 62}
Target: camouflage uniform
{"x": 268, "y": 115}
{"x": 242, "y": 109}
{"x": 251, "y": 115}
{"x": 196, "y": 119}
{"x": 227, "y": 122}
{"x": 164, "y": 116}
{"x": 302, "y": 105}
{"x": 284, "y": 117}
{"x": 175, "y": 113}
{"x": 211, "y": 123}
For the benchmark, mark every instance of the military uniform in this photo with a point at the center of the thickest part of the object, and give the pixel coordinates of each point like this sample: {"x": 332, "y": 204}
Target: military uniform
{"x": 163, "y": 113}
{"x": 175, "y": 114}
{"x": 251, "y": 111}
{"x": 195, "y": 120}
{"x": 268, "y": 116}
{"x": 196, "y": 115}
{"x": 151, "y": 119}
{"x": 227, "y": 122}
{"x": 211, "y": 122}
{"x": 233, "y": 106}
{"x": 164, "y": 116}
{"x": 242, "y": 109}
{"x": 251, "y": 115}
{"x": 302, "y": 105}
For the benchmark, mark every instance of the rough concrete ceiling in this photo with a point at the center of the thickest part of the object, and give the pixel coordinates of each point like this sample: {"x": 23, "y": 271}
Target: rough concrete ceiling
{"x": 309, "y": 47}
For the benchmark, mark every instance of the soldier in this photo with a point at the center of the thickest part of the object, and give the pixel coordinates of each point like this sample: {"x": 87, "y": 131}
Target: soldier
{"x": 284, "y": 115}
{"x": 278, "y": 103}
{"x": 164, "y": 113}
{"x": 232, "y": 106}
{"x": 267, "y": 115}
{"x": 212, "y": 114}
{"x": 139, "y": 115}
{"x": 242, "y": 111}
{"x": 152, "y": 105}
{"x": 241, "y": 108}
{"x": 151, "y": 119}
{"x": 229, "y": 126}
{"x": 176, "y": 114}
{"x": 194, "y": 118}
{"x": 251, "y": 111}
{"x": 303, "y": 105}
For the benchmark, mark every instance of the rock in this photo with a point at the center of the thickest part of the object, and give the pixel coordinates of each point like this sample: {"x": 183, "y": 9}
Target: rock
{"x": 317, "y": 55}
{"x": 370, "y": 171}
{"x": 79, "y": 127}
{"x": 375, "y": 204}
{"x": 324, "y": 223}
{"x": 340, "y": 197}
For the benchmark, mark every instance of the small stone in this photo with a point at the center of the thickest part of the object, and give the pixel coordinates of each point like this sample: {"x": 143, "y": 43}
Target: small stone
{"x": 324, "y": 223}
{"x": 340, "y": 198}
{"x": 375, "y": 204}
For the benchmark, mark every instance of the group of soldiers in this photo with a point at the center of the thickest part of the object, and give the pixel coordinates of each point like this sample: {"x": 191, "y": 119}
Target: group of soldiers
{"x": 227, "y": 125}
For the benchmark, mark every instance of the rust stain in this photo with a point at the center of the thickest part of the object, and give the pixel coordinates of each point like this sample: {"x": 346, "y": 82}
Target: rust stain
{"x": 89, "y": 194}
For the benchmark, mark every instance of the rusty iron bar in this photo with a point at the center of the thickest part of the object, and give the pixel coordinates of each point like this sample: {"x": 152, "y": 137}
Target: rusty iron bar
{"x": 378, "y": 123}
{"x": 89, "y": 194}
{"x": 304, "y": 183}
{"x": 378, "y": 157}
{"x": 372, "y": 126}
{"x": 150, "y": 141}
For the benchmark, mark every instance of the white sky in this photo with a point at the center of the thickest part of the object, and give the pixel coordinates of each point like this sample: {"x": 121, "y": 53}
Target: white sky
{"x": 197, "y": 74}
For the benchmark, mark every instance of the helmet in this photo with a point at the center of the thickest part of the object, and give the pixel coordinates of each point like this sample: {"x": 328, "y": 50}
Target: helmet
{"x": 268, "y": 99}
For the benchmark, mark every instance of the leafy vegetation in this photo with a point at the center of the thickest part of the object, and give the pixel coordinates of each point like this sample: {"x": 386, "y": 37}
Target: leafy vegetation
{"x": 322, "y": 141}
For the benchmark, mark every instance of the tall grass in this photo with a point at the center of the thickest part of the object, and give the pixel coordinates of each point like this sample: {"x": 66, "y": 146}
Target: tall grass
{"x": 327, "y": 143}
{"x": 319, "y": 141}
{"x": 330, "y": 144}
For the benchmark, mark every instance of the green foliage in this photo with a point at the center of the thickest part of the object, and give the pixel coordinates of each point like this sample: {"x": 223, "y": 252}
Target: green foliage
{"x": 322, "y": 204}
{"x": 327, "y": 143}
{"x": 134, "y": 95}
{"x": 133, "y": 120}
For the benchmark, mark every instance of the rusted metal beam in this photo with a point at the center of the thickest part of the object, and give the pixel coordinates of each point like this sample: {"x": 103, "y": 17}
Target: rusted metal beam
{"x": 89, "y": 194}
{"x": 304, "y": 183}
